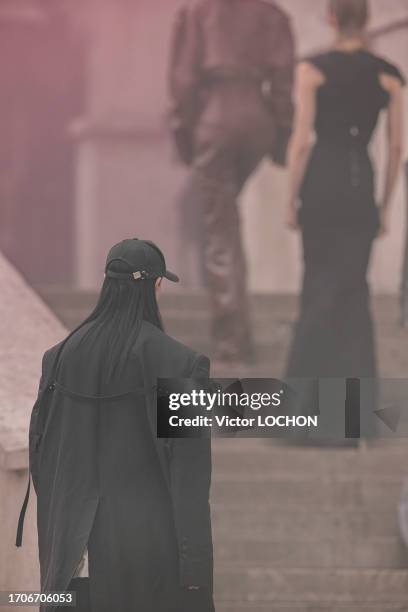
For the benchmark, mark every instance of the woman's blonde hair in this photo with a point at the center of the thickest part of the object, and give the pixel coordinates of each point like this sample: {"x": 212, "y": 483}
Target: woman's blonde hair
{"x": 350, "y": 15}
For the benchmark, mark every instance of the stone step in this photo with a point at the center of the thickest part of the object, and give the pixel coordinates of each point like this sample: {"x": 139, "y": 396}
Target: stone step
{"x": 193, "y": 302}
{"x": 340, "y": 586}
{"x": 197, "y": 332}
{"x": 290, "y": 462}
{"x": 304, "y": 607}
{"x": 347, "y": 494}
{"x": 271, "y": 334}
{"x": 69, "y": 309}
{"x": 278, "y": 537}
{"x": 186, "y": 320}
{"x": 173, "y": 302}
{"x": 171, "y": 314}
{"x": 195, "y": 327}
{"x": 287, "y": 552}
{"x": 299, "y": 524}
{"x": 252, "y": 446}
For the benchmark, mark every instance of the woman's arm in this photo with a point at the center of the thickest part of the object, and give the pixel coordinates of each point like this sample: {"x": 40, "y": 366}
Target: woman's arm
{"x": 395, "y": 131}
{"x": 307, "y": 80}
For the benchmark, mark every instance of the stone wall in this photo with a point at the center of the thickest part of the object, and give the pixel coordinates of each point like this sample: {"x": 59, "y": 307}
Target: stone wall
{"x": 27, "y": 329}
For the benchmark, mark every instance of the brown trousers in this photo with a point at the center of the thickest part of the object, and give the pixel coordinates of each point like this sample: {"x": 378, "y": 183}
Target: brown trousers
{"x": 221, "y": 169}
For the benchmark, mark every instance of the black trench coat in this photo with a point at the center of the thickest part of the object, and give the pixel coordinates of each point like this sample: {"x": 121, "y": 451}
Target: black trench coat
{"x": 77, "y": 459}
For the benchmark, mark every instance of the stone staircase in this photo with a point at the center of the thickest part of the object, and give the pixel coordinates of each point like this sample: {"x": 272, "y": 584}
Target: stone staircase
{"x": 308, "y": 529}
{"x": 296, "y": 529}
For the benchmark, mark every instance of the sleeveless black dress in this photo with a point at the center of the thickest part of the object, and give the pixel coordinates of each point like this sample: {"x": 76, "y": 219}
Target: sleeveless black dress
{"x": 339, "y": 220}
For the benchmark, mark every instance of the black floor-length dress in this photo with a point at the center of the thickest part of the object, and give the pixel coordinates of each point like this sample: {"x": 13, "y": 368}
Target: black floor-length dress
{"x": 339, "y": 220}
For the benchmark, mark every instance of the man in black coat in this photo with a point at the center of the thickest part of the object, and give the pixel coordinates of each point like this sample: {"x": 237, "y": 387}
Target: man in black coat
{"x": 105, "y": 482}
{"x": 230, "y": 81}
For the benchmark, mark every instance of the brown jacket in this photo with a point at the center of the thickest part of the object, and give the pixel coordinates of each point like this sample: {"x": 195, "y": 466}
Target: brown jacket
{"x": 214, "y": 40}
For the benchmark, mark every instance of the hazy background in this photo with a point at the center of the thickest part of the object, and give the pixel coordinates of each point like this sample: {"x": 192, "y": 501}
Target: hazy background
{"x": 85, "y": 160}
{"x": 85, "y": 157}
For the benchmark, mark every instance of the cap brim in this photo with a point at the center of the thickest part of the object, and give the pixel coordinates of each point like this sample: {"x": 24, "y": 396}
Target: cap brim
{"x": 171, "y": 277}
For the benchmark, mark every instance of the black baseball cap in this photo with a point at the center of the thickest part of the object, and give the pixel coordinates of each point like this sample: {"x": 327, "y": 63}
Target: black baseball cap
{"x": 143, "y": 257}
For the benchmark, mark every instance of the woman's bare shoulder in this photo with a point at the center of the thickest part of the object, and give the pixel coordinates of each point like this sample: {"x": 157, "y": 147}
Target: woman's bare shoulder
{"x": 390, "y": 76}
{"x": 308, "y": 74}
{"x": 392, "y": 84}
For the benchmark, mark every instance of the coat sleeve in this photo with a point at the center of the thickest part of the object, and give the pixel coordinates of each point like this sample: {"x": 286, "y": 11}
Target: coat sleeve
{"x": 183, "y": 80}
{"x": 190, "y": 473}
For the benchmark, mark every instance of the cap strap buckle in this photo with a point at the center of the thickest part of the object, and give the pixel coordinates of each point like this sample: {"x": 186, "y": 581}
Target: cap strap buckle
{"x": 143, "y": 275}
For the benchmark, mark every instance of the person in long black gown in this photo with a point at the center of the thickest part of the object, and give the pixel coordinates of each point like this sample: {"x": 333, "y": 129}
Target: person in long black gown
{"x": 340, "y": 95}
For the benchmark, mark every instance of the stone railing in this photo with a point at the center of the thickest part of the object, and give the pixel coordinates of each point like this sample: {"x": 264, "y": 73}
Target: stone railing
{"x": 27, "y": 329}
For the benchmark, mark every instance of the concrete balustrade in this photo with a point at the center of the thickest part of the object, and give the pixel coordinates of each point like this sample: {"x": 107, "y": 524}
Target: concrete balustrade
{"x": 27, "y": 329}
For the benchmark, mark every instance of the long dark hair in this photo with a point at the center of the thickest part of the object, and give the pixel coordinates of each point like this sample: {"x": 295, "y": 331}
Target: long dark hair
{"x": 116, "y": 320}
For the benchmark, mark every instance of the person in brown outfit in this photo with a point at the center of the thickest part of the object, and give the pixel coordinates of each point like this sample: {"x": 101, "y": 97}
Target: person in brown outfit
{"x": 230, "y": 81}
